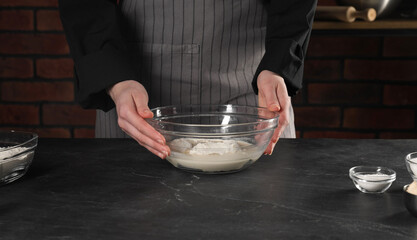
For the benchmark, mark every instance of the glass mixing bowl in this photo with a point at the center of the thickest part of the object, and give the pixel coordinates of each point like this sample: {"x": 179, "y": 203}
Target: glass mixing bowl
{"x": 214, "y": 138}
{"x": 16, "y": 153}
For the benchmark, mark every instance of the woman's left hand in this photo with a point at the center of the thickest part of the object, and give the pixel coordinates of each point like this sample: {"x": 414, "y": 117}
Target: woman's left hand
{"x": 274, "y": 96}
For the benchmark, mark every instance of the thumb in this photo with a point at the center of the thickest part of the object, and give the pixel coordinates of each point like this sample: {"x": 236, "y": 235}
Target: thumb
{"x": 142, "y": 107}
{"x": 145, "y": 112}
{"x": 271, "y": 100}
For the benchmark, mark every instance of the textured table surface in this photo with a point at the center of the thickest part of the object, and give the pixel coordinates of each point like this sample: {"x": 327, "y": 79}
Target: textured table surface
{"x": 115, "y": 189}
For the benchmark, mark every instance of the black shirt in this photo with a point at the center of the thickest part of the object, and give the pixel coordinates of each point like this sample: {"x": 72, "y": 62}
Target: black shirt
{"x": 94, "y": 33}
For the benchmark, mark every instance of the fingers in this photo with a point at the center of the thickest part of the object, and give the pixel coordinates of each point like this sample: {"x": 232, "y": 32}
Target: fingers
{"x": 270, "y": 148}
{"x": 282, "y": 124}
{"x": 273, "y": 95}
{"x": 142, "y": 126}
{"x": 131, "y": 101}
{"x": 130, "y": 120}
{"x": 141, "y": 103}
{"x": 283, "y": 120}
{"x": 143, "y": 138}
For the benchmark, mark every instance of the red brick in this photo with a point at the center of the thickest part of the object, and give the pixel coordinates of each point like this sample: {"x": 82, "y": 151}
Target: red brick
{"x": 37, "y": 91}
{"x": 321, "y": 46}
{"x": 55, "y": 68}
{"x": 60, "y": 114}
{"x": 34, "y": 3}
{"x": 16, "y": 68}
{"x": 400, "y": 46}
{"x": 317, "y": 117}
{"x": 322, "y": 69}
{"x": 53, "y": 132}
{"x": 19, "y": 114}
{"x": 398, "y": 135}
{"x": 47, "y": 20}
{"x": 84, "y": 133}
{"x": 400, "y": 95}
{"x": 44, "y": 132}
{"x": 378, "y": 118}
{"x": 337, "y": 134}
{"x": 328, "y": 93}
{"x": 25, "y": 43}
{"x": 16, "y": 20}
{"x": 386, "y": 70}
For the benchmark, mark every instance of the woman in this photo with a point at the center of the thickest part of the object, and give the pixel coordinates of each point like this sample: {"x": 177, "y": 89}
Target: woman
{"x": 140, "y": 53}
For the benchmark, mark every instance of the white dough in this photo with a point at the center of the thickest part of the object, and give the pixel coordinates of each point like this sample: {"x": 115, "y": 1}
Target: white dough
{"x": 215, "y": 147}
{"x": 180, "y": 145}
{"x": 212, "y": 155}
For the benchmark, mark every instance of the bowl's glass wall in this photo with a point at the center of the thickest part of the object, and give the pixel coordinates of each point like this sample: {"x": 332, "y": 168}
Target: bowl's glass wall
{"x": 17, "y": 150}
{"x": 212, "y": 119}
{"x": 411, "y": 164}
{"x": 216, "y": 128}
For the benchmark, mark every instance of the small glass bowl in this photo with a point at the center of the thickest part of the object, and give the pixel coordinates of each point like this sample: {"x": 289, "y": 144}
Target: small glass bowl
{"x": 16, "y": 154}
{"x": 372, "y": 179}
{"x": 411, "y": 163}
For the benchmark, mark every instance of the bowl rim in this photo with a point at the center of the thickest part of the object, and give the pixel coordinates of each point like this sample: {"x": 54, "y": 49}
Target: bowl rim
{"x": 392, "y": 174}
{"x": 34, "y": 136}
{"x": 408, "y": 157}
{"x": 276, "y": 115}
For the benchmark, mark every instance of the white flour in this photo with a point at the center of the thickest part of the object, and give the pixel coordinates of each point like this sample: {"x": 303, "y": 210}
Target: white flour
{"x": 374, "y": 182}
{"x": 212, "y": 155}
{"x": 13, "y": 151}
{"x": 12, "y": 165}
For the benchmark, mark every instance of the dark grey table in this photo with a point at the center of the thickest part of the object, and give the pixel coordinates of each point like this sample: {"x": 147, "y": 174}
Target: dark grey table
{"x": 115, "y": 189}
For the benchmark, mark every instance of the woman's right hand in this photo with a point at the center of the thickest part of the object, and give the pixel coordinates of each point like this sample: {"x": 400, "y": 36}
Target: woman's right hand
{"x": 131, "y": 101}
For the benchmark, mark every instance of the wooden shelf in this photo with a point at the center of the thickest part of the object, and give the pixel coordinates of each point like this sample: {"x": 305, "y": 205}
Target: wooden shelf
{"x": 391, "y": 24}
{"x": 383, "y": 27}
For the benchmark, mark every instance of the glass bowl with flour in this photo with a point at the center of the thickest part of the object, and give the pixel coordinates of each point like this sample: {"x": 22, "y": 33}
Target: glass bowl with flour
{"x": 411, "y": 163}
{"x": 372, "y": 179}
{"x": 16, "y": 154}
{"x": 214, "y": 138}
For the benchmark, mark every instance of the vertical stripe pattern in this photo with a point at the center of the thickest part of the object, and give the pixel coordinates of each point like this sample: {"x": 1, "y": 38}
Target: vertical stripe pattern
{"x": 193, "y": 52}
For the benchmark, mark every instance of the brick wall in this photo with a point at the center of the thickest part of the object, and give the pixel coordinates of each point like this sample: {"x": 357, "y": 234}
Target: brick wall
{"x": 358, "y": 87}
{"x": 355, "y": 86}
{"x": 36, "y": 89}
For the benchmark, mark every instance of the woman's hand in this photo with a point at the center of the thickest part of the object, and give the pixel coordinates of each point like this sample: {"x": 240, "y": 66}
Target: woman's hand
{"x": 274, "y": 96}
{"x": 131, "y": 101}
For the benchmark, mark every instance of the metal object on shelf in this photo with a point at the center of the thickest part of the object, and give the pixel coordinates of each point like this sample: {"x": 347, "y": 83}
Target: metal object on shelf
{"x": 383, "y": 7}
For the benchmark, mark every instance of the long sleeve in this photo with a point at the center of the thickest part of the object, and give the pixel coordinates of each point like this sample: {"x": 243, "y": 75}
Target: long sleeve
{"x": 289, "y": 25}
{"x": 94, "y": 35}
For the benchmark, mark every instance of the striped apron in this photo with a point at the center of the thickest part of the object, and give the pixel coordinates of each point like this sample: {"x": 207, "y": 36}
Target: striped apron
{"x": 193, "y": 52}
